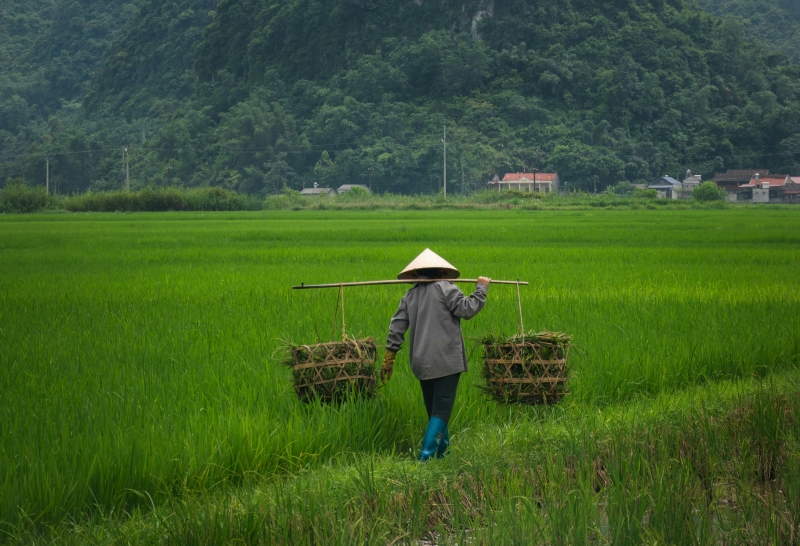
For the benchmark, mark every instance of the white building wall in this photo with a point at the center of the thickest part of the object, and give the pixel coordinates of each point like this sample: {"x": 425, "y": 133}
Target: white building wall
{"x": 761, "y": 195}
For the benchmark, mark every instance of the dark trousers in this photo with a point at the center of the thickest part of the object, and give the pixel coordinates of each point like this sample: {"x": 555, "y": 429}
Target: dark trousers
{"x": 440, "y": 395}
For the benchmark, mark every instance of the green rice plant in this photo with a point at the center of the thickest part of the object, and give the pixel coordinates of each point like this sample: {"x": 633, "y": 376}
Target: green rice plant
{"x": 610, "y": 476}
{"x": 138, "y": 370}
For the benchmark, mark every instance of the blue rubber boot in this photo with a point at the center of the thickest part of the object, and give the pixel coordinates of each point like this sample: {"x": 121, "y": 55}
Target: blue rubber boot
{"x": 444, "y": 443}
{"x": 433, "y": 436}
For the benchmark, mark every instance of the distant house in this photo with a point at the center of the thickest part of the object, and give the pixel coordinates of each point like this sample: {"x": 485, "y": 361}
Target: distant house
{"x": 540, "y": 182}
{"x": 791, "y": 190}
{"x": 347, "y": 187}
{"x": 316, "y": 191}
{"x": 763, "y": 188}
{"x": 666, "y": 186}
{"x": 691, "y": 182}
{"x": 732, "y": 179}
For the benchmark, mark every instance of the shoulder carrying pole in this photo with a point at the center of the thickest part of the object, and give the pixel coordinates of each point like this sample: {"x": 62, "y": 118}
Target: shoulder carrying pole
{"x": 304, "y": 286}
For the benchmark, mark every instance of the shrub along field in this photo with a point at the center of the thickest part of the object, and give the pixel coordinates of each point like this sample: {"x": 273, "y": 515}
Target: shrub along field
{"x": 142, "y": 398}
{"x": 20, "y": 198}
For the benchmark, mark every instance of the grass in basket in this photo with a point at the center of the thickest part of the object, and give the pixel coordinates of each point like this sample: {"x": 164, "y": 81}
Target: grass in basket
{"x": 362, "y": 365}
{"x": 538, "y": 347}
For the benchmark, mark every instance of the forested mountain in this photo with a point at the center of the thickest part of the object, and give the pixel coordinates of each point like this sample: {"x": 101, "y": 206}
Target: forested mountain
{"x": 253, "y": 95}
{"x": 152, "y": 59}
{"x": 50, "y": 49}
{"x": 775, "y": 22}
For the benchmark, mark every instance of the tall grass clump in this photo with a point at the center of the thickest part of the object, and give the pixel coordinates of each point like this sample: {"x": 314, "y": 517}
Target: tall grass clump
{"x": 162, "y": 199}
{"x": 287, "y": 199}
{"x": 21, "y": 198}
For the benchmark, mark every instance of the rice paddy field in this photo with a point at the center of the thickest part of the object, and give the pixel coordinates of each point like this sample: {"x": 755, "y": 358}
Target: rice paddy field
{"x": 143, "y": 399}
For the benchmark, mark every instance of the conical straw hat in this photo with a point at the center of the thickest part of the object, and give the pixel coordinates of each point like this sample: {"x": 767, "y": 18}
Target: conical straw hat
{"x": 426, "y": 260}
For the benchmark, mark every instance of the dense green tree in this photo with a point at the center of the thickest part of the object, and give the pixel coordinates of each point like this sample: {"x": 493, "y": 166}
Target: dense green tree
{"x": 254, "y": 144}
{"x": 708, "y": 191}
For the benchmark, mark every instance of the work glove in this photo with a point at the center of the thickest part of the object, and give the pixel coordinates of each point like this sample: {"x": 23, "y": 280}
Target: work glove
{"x": 388, "y": 365}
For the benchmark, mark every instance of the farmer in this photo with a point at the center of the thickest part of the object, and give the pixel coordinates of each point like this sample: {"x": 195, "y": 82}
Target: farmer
{"x": 432, "y": 314}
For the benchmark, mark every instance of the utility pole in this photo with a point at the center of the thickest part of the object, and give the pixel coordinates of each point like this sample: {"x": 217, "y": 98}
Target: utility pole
{"x": 47, "y": 177}
{"x": 370, "y": 178}
{"x": 444, "y": 162}
{"x": 461, "y": 166}
{"x": 126, "y": 157}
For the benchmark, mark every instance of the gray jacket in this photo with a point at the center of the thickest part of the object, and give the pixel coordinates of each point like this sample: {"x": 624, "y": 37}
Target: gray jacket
{"x": 432, "y": 314}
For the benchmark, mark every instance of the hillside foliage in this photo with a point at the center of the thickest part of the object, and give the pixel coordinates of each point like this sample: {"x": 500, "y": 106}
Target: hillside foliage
{"x": 253, "y": 97}
{"x": 775, "y": 22}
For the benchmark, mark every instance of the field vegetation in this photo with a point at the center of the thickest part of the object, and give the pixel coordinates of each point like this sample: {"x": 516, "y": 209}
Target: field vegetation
{"x": 143, "y": 398}
{"x": 21, "y": 198}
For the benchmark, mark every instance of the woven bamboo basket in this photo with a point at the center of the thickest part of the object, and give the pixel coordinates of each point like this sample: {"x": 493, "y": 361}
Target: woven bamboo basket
{"x": 527, "y": 369}
{"x": 333, "y": 371}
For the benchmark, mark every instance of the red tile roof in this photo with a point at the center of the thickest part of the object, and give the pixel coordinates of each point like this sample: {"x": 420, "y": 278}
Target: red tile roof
{"x": 540, "y": 177}
{"x": 738, "y": 175}
{"x": 773, "y": 180}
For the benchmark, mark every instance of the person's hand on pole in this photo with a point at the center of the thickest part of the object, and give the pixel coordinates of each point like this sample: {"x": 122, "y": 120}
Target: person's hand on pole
{"x": 484, "y": 280}
{"x": 388, "y": 365}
